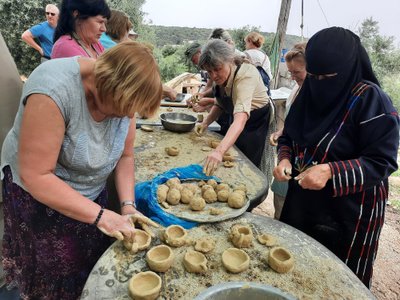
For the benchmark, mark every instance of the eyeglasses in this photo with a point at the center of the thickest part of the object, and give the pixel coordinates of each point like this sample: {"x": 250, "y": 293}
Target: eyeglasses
{"x": 50, "y": 13}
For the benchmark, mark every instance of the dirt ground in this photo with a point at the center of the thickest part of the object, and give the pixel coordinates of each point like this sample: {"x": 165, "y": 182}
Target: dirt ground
{"x": 386, "y": 278}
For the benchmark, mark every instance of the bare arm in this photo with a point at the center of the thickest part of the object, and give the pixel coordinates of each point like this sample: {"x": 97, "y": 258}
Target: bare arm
{"x": 215, "y": 158}
{"x": 28, "y": 38}
{"x": 125, "y": 171}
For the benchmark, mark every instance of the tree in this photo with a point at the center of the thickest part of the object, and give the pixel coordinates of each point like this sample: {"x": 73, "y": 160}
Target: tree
{"x": 16, "y": 16}
{"x": 385, "y": 59}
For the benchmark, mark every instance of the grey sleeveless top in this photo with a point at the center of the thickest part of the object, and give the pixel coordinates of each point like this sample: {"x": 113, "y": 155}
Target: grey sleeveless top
{"x": 90, "y": 149}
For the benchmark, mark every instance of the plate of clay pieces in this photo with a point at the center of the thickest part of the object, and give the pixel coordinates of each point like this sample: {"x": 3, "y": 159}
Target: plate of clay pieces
{"x": 202, "y": 201}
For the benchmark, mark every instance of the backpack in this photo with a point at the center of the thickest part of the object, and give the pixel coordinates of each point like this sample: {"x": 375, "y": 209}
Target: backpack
{"x": 264, "y": 76}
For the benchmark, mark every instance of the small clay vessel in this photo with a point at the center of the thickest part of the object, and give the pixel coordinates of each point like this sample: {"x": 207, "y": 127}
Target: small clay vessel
{"x": 145, "y": 286}
{"x": 160, "y": 258}
{"x": 280, "y": 259}
{"x": 235, "y": 260}
{"x": 140, "y": 242}
{"x": 267, "y": 239}
{"x": 175, "y": 235}
{"x": 204, "y": 244}
{"x": 241, "y": 236}
{"x": 172, "y": 151}
{"x": 195, "y": 262}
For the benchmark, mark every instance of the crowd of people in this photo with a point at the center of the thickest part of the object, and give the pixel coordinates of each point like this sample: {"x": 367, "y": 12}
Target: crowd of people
{"x": 76, "y": 124}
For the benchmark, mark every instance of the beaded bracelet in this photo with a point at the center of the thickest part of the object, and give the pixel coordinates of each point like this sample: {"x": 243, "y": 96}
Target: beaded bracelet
{"x": 99, "y": 216}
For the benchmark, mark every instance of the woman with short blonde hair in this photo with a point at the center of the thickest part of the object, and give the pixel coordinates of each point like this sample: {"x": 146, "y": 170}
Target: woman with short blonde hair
{"x": 74, "y": 126}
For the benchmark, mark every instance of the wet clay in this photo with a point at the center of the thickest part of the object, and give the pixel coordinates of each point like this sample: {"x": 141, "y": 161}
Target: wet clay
{"x": 172, "y": 151}
{"x": 195, "y": 262}
{"x": 205, "y": 245}
{"x": 280, "y": 260}
{"x": 140, "y": 242}
{"x": 241, "y": 236}
{"x": 145, "y": 286}
{"x": 267, "y": 240}
{"x": 160, "y": 258}
{"x": 175, "y": 235}
{"x": 235, "y": 260}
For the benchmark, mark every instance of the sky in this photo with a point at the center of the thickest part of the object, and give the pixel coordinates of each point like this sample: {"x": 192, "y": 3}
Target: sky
{"x": 318, "y": 14}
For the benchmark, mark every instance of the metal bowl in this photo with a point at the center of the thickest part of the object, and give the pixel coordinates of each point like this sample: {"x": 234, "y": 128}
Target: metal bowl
{"x": 178, "y": 122}
{"x": 243, "y": 291}
{"x": 179, "y": 98}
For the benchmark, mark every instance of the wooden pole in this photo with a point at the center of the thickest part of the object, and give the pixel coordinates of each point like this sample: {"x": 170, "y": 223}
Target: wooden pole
{"x": 281, "y": 32}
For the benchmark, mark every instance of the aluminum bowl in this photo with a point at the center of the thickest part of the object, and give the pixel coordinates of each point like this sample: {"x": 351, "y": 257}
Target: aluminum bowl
{"x": 243, "y": 291}
{"x": 178, "y": 122}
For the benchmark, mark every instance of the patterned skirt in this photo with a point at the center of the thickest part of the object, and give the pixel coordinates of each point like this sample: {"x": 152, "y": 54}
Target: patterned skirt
{"x": 46, "y": 255}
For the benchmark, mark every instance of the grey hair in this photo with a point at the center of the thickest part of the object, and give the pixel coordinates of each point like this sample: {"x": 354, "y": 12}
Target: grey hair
{"x": 216, "y": 53}
{"x": 221, "y": 34}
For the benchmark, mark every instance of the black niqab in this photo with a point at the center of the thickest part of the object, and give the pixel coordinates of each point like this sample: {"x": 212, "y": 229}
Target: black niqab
{"x": 321, "y": 103}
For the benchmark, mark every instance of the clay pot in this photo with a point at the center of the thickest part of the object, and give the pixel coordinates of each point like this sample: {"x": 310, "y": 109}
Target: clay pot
{"x": 280, "y": 259}
{"x": 175, "y": 235}
{"x": 267, "y": 239}
{"x": 172, "y": 151}
{"x": 241, "y": 236}
{"x": 235, "y": 260}
{"x": 145, "y": 286}
{"x": 140, "y": 242}
{"x": 160, "y": 258}
{"x": 195, "y": 262}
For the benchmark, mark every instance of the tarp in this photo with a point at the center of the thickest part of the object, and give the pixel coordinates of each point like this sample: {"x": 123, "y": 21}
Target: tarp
{"x": 146, "y": 194}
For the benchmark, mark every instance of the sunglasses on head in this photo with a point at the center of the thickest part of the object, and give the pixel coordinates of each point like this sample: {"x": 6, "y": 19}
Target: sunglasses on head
{"x": 50, "y": 13}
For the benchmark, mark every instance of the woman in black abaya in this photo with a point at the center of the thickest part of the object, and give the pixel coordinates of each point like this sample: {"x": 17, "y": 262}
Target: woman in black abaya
{"x": 338, "y": 149}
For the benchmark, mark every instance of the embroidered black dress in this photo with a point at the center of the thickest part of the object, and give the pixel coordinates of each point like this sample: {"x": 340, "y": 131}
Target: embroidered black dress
{"x": 356, "y": 133}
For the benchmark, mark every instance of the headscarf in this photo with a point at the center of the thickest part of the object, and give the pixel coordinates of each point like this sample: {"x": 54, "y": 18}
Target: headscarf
{"x": 321, "y": 103}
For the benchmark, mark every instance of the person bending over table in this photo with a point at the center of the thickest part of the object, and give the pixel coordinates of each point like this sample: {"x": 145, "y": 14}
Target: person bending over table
{"x": 75, "y": 124}
{"x": 338, "y": 148}
{"x": 241, "y": 94}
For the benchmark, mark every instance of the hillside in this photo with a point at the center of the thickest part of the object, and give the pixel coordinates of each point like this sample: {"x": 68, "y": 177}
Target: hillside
{"x": 173, "y": 35}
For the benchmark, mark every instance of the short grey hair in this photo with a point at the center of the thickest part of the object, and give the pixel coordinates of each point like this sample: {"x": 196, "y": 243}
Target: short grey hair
{"x": 216, "y": 53}
{"x": 221, "y": 34}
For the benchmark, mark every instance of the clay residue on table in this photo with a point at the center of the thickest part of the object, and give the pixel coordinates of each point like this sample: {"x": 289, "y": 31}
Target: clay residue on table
{"x": 317, "y": 274}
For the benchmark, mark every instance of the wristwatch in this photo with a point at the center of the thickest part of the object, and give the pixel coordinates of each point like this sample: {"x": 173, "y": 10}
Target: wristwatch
{"x": 125, "y": 203}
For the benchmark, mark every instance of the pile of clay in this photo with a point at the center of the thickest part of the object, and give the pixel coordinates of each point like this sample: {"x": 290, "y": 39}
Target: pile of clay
{"x": 198, "y": 194}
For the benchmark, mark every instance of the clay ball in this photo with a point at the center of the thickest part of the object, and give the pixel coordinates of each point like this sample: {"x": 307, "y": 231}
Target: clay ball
{"x": 206, "y": 187}
{"x": 173, "y": 196}
{"x": 223, "y": 195}
{"x": 186, "y": 195}
{"x": 172, "y": 151}
{"x": 197, "y": 203}
{"x": 173, "y": 181}
{"x": 213, "y": 183}
{"x": 162, "y": 192}
{"x": 222, "y": 186}
{"x": 210, "y": 195}
{"x": 236, "y": 200}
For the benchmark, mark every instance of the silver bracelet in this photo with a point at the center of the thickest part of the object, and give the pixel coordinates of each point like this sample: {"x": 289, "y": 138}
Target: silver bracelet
{"x": 125, "y": 203}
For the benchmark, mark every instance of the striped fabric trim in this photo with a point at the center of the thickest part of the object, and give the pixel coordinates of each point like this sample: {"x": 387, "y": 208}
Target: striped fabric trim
{"x": 360, "y": 89}
{"x": 375, "y": 212}
{"x": 354, "y": 176}
{"x": 356, "y": 229}
{"x": 361, "y": 174}
{"x": 369, "y": 120}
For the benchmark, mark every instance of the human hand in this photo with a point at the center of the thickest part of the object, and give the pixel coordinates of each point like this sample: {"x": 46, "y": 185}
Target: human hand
{"x": 315, "y": 177}
{"x": 144, "y": 222}
{"x": 273, "y": 139}
{"x": 283, "y": 171}
{"x": 212, "y": 162}
{"x": 203, "y": 104}
{"x": 117, "y": 226}
{"x": 169, "y": 92}
{"x": 200, "y": 129}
